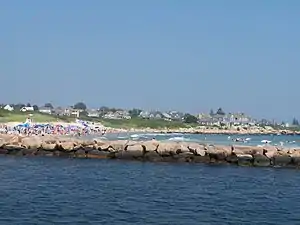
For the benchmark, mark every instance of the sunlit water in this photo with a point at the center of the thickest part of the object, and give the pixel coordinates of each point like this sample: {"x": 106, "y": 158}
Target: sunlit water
{"x": 255, "y": 140}
{"x": 43, "y": 191}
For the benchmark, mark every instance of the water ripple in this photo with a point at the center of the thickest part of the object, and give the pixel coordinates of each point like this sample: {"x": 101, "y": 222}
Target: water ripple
{"x": 79, "y": 191}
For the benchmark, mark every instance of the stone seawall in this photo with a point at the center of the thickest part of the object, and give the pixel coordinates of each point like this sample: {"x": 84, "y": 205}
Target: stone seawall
{"x": 154, "y": 151}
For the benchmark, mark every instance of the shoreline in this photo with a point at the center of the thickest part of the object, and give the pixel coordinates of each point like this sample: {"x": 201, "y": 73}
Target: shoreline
{"x": 150, "y": 151}
{"x": 202, "y": 130}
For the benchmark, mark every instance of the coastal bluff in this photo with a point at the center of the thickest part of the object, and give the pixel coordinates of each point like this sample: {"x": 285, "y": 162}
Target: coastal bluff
{"x": 151, "y": 150}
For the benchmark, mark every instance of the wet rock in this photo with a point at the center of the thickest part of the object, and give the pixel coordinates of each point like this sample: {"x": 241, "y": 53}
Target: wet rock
{"x": 232, "y": 159}
{"x": 29, "y": 152}
{"x": 42, "y": 152}
{"x": 261, "y": 160}
{"x": 295, "y": 157}
{"x": 81, "y": 153}
{"x": 281, "y": 158}
{"x": 96, "y": 154}
{"x": 201, "y": 159}
{"x": 3, "y": 151}
{"x": 244, "y": 159}
{"x": 62, "y": 153}
{"x": 184, "y": 157}
{"x": 13, "y": 149}
{"x": 152, "y": 156}
{"x": 131, "y": 152}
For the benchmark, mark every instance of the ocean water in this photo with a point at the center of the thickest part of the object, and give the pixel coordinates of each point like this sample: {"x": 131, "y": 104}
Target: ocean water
{"x": 36, "y": 190}
{"x": 277, "y": 140}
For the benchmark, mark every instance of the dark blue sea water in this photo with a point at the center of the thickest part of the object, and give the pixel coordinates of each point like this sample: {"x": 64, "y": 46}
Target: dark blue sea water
{"x": 84, "y": 191}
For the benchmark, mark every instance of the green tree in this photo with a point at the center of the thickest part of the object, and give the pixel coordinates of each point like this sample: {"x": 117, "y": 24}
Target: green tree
{"x": 211, "y": 113}
{"x": 80, "y": 105}
{"x": 220, "y": 112}
{"x": 188, "y": 118}
{"x": 19, "y": 106}
{"x": 35, "y": 107}
{"x": 48, "y": 105}
{"x": 295, "y": 122}
{"x": 134, "y": 112}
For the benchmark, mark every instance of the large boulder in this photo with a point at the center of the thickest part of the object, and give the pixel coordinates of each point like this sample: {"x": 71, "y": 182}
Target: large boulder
{"x": 48, "y": 147}
{"x": 166, "y": 149}
{"x": 96, "y": 154}
{"x": 281, "y": 158}
{"x": 80, "y": 153}
{"x": 250, "y": 150}
{"x": 295, "y": 157}
{"x": 197, "y": 149}
{"x": 244, "y": 159}
{"x": 31, "y": 142}
{"x": 150, "y": 146}
{"x": 218, "y": 153}
{"x": 261, "y": 160}
{"x": 66, "y": 146}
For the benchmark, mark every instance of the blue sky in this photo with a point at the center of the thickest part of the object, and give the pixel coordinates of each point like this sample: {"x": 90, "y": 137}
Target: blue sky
{"x": 185, "y": 55}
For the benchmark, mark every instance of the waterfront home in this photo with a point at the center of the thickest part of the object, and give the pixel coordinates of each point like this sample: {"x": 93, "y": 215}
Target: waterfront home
{"x": 27, "y": 109}
{"x": 151, "y": 115}
{"x": 93, "y": 113}
{"x": 175, "y": 115}
{"x": 73, "y": 112}
{"x": 144, "y": 114}
{"x": 8, "y": 108}
{"x": 46, "y": 110}
{"x": 59, "y": 111}
{"x": 120, "y": 114}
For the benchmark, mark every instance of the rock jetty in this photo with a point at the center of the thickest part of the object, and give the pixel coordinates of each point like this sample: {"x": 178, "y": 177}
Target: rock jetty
{"x": 152, "y": 150}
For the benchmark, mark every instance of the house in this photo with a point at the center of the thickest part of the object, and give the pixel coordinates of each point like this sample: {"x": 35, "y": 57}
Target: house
{"x": 8, "y": 108}
{"x": 76, "y": 112}
{"x": 59, "y": 111}
{"x": 27, "y": 109}
{"x": 93, "y": 113}
{"x": 46, "y": 110}
{"x": 152, "y": 115}
{"x": 237, "y": 118}
{"x": 144, "y": 114}
{"x": 120, "y": 114}
{"x": 72, "y": 112}
{"x": 175, "y": 115}
{"x": 167, "y": 116}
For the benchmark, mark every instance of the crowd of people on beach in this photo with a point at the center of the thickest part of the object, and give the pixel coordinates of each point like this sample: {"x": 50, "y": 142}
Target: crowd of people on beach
{"x": 29, "y": 129}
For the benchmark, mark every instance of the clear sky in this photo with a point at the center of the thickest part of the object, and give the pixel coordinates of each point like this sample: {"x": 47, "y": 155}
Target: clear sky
{"x": 187, "y": 55}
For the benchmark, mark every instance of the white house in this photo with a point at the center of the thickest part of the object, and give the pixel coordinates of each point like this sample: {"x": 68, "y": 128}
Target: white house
{"x": 45, "y": 110}
{"x": 27, "y": 109}
{"x": 8, "y": 107}
{"x": 93, "y": 113}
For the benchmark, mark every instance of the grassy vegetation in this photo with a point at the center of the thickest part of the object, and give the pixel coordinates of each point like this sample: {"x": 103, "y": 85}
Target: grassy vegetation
{"x": 16, "y": 116}
{"x": 143, "y": 123}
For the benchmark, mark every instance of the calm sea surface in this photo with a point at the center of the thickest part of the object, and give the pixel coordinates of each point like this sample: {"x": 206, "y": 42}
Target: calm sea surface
{"x": 284, "y": 140}
{"x": 36, "y": 190}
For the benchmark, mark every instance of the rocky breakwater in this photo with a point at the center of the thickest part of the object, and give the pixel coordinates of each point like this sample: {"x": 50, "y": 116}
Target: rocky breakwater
{"x": 155, "y": 151}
